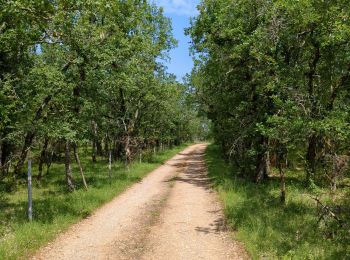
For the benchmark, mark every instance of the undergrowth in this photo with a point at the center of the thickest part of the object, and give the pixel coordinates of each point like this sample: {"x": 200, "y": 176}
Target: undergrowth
{"x": 55, "y": 209}
{"x": 270, "y": 230}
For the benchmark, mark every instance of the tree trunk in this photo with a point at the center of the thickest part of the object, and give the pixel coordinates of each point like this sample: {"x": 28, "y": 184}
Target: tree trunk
{"x": 312, "y": 143}
{"x": 68, "y": 168}
{"x": 261, "y": 168}
{"x": 30, "y": 135}
{"x": 5, "y": 158}
{"x": 281, "y": 160}
{"x": 110, "y": 166}
{"x": 27, "y": 144}
{"x": 77, "y": 159}
{"x": 334, "y": 174}
{"x": 94, "y": 142}
{"x": 262, "y": 163}
{"x": 99, "y": 150}
{"x": 42, "y": 158}
{"x": 311, "y": 158}
{"x": 49, "y": 162}
{"x": 106, "y": 146}
{"x": 94, "y": 152}
{"x": 7, "y": 167}
{"x": 283, "y": 184}
{"x": 127, "y": 150}
{"x": 118, "y": 149}
{"x": 1, "y": 164}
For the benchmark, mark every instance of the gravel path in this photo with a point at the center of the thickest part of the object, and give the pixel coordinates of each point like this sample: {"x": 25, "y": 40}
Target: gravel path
{"x": 171, "y": 214}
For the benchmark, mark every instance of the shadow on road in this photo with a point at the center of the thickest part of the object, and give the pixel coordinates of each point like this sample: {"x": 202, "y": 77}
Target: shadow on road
{"x": 195, "y": 170}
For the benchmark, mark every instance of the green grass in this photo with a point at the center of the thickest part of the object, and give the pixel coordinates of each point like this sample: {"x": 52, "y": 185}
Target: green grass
{"x": 55, "y": 209}
{"x": 268, "y": 229}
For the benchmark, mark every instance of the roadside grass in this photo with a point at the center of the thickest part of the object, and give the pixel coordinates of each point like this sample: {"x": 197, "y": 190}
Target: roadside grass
{"x": 55, "y": 209}
{"x": 270, "y": 230}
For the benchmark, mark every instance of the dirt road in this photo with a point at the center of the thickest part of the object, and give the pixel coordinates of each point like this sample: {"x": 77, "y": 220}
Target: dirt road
{"x": 171, "y": 214}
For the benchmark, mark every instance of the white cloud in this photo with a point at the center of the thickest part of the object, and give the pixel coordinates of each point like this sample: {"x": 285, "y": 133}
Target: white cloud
{"x": 179, "y": 7}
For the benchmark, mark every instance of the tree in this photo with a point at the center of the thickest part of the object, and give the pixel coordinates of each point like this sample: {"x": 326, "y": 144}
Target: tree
{"x": 85, "y": 72}
{"x": 274, "y": 74}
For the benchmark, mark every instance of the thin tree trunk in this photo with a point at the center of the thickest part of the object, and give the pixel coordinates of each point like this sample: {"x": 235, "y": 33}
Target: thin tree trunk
{"x": 27, "y": 144}
{"x": 106, "y": 145}
{"x": 5, "y": 157}
{"x": 127, "y": 150}
{"x": 261, "y": 169}
{"x": 283, "y": 184}
{"x": 262, "y": 163}
{"x": 312, "y": 143}
{"x": 68, "y": 168}
{"x": 268, "y": 162}
{"x": 49, "y": 162}
{"x": 7, "y": 167}
{"x": 99, "y": 150}
{"x": 115, "y": 149}
{"x": 311, "y": 158}
{"x": 110, "y": 166}
{"x": 334, "y": 174}
{"x": 281, "y": 160}
{"x": 30, "y": 135}
{"x": 42, "y": 158}
{"x": 76, "y": 156}
{"x": 94, "y": 142}
{"x": 94, "y": 152}
{"x": 1, "y": 164}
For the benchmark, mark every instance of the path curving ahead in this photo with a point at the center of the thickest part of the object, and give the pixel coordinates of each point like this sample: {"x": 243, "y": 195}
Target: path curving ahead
{"x": 171, "y": 214}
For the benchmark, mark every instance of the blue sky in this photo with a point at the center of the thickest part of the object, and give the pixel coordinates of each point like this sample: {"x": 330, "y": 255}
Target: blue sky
{"x": 180, "y": 11}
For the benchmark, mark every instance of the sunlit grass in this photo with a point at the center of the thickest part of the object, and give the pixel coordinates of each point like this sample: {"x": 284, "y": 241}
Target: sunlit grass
{"x": 267, "y": 228}
{"x": 55, "y": 209}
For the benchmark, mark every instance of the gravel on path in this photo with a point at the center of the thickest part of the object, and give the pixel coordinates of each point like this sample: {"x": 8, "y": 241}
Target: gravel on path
{"x": 171, "y": 214}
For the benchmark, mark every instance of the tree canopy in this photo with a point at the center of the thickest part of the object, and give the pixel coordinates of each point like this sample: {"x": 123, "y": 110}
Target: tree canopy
{"x": 74, "y": 73}
{"x": 274, "y": 77}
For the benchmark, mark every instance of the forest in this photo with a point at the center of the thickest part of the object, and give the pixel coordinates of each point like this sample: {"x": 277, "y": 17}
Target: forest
{"x": 274, "y": 79}
{"x": 88, "y": 108}
{"x": 82, "y": 85}
{"x": 86, "y": 73}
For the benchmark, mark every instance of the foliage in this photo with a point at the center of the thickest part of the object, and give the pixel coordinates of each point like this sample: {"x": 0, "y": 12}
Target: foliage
{"x": 55, "y": 209}
{"x": 274, "y": 78}
{"x": 73, "y": 75}
{"x": 268, "y": 230}
{"x": 274, "y": 73}
{"x": 79, "y": 72}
